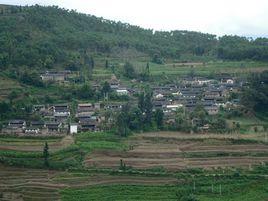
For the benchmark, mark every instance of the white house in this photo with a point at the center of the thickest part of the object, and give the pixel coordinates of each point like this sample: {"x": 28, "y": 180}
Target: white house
{"x": 174, "y": 107}
{"x": 122, "y": 92}
{"x": 73, "y": 128}
{"x": 158, "y": 96}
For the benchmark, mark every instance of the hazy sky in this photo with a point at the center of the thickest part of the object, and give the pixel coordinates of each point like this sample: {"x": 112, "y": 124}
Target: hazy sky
{"x": 240, "y": 17}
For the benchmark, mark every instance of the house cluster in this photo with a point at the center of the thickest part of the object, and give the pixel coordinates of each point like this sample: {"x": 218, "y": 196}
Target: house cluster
{"x": 191, "y": 92}
{"x": 33, "y": 128}
{"x": 60, "y": 119}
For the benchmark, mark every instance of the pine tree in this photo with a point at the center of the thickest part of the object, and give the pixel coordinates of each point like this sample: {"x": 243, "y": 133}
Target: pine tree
{"x": 106, "y": 64}
{"x": 46, "y": 155}
{"x": 148, "y": 69}
{"x": 92, "y": 62}
{"x": 148, "y": 108}
{"x": 141, "y": 102}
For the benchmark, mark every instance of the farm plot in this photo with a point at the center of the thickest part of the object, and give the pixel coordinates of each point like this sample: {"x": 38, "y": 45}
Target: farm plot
{"x": 26, "y": 144}
{"x": 175, "y": 151}
{"x": 32, "y": 184}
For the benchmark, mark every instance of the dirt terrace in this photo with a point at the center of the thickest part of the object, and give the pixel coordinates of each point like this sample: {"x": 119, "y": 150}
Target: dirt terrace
{"x": 174, "y": 151}
{"x": 19, "y": 184}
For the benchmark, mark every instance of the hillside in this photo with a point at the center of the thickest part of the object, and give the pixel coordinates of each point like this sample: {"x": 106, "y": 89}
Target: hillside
{"x": 42, "y": 37}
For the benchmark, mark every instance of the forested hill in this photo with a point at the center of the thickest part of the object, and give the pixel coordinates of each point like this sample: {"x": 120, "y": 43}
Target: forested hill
{"x": 41, "y": 37}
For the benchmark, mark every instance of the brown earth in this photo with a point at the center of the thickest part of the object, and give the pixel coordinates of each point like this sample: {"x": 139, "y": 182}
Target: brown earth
{"x": 174, "y": 151}
{"x": 37, "y": 146}
{"x": 29, "y": 184}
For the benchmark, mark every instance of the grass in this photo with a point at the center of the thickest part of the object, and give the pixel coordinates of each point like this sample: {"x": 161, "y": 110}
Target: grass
{"x": 205, "y": 69}
{"x": 232, "y": 189}
{"x": 121, "y": 193}
{"x": 70, "y": 157}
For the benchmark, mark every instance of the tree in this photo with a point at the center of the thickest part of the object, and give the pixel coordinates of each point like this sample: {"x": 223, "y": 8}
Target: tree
{"x": 106, "y": 88}
{"x": 122, "y": 121}
{"x": 46, "y": 155}
{"x": 157, "y": 59}
{"x": 141, "y": 101}
{"x": 92, "y": 62}
{"x": 136, "y": 119}
{"x": 88, "y": 65}
{"x": 148, "y": 108}
{"x": 106, "y": 64}
{"x": 129, "y": 70}
{"x": 12, "y": 96}
{"x": 255, "y": 96}
{"x": 148, "y": 68}
{"x": 200, "y": 113}
{"x": 159, "y": 116}
{"x": 84, "y": 92}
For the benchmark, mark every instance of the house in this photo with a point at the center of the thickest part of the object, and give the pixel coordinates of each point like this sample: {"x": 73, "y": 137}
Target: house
{"x": 160, "y": 104}
{"x": 38, "y": 108}
{"x": 61, "y": 109}
{"x": 84, "y": 116}
{"x": 212, "y": 94}
{"x": 227, "y": 80}
{"x": 85, "y": 107}
{"x": 17, "y": 124}
{"x": 122, "y": 92}
{"x": 211, "y": 109}
{"x": 73, "y": 128}
{"x": 113, "y": 106}
{"x": 15, "y": 127}
{"x": 159, "y": 96}
{"x": 37, "y": 124}
{"x": 89, "y": 125}
{"x": 114, "y": 82}
{"x": 54, "y": 77}
{"x": 53, "y": 127}
{"x": 61, "y": 117}
{"x": 173, "y": 107}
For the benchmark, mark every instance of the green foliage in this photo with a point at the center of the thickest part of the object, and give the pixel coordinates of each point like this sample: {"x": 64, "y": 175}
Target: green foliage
{"x": 31, "y": 79}
{"x": 46, "y": 155}
{"x": 122, "y": 121}
{"x": 148, "y": 108}
{"x": 157, "y": 59}
{"x": 256, "y": 95}
{"x": 84, "y": 92}
{"x": 106, "y": 88}
{"x": 42, "y": 37}
{"x": 159, "y": 116}
{"x": 129, "y": 70}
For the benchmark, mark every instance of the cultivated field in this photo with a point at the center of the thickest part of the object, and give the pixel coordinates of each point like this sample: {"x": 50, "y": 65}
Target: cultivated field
{"x": 158, "y": 166}
{"x": 19, "y": 184}
{"x": 175, "y": 151}
{"x": 32, "y": 144}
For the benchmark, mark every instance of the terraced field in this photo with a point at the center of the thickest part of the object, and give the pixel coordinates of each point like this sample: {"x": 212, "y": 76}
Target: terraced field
{"x": 162, "y": 163}
{"x": 175, "y": 151}
{"x": 26, "y": 144}
{"x": 6, "y": 86}
{"x": 33, "y": 184}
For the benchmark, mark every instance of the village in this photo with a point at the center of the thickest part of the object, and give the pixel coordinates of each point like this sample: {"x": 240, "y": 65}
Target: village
{"x": 64, "y": 118}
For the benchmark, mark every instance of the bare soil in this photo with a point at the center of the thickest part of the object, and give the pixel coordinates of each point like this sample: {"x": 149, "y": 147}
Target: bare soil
{"x": 173, "y": 151}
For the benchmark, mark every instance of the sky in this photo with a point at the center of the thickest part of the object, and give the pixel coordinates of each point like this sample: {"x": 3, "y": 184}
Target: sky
{"x": 221, "y": 17}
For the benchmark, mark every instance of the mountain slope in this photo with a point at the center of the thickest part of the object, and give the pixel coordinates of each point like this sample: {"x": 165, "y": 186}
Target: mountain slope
{"x": 41, "y": 37}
